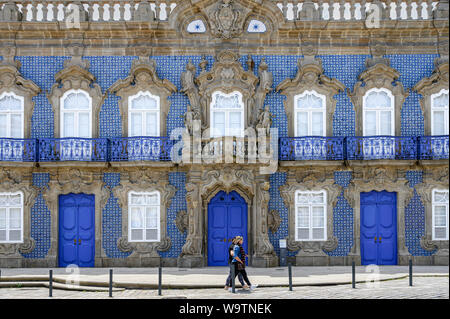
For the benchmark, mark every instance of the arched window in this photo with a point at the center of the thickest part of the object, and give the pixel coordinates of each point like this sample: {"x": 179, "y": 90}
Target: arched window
{"x": 76, "y": 114}
{"x": 256, "y": 26}
{"x": 439, "y": 113}
{"x": 11, "y": 115}
{"x": 11, "y": 217}
{"x": 311, "y": 215}
{"x": 310, "y": 114}
{"x": 144, "y": 216}
{"x": 378, "y": 113}
{"x": 196, "y": 26}
{"x": 143, "y": 115}
{"x": 227, "y": 114}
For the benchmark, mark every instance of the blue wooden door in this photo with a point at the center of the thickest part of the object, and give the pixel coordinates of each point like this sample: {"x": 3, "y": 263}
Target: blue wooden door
{"x": 76, "y": 230}
{"x": 227, "y": 218}
{"x": 378, "y": 228}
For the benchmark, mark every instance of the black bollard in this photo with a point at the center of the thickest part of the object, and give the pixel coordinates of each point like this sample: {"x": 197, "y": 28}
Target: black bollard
{"x": 290, "y": 276}
{"x": 410, "y": 273}
{"x": 233, "y": 275}
{"x": 159, "y": 280}
{"x": 353, "y": 275}
{"x": 50, "y": 284}
{"x": 110, "y": 282}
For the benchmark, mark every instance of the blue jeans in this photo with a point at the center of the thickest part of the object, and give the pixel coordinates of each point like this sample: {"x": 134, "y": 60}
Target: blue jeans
{"x": 236, "y": 272}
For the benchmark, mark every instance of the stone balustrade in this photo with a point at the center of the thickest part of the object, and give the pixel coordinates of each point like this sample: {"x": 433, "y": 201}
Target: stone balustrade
{"x": 160, "y": 10}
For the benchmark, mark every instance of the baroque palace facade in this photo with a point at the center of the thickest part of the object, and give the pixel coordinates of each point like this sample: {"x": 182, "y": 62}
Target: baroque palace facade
{"x": 321, "y": 126}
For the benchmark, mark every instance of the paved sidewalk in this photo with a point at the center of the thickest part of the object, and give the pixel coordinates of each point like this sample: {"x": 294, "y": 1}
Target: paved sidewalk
{"x": 210, "y": 277}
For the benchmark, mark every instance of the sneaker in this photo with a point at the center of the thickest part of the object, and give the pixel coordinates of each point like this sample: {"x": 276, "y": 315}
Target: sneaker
{"x": 245, "y": 287}
{"x": 253, "y": 287}
{"x": 230, "y": 289}
{"x": 226, "y": 288}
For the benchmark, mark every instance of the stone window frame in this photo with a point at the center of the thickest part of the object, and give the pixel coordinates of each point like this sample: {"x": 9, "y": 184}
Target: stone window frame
{"x": 325, "y": 204}
{"x": 432, "y": 97}
{"x": 214, "y": 96}
{"x": 391, "y": 109}
{"x": 310, "y": 77}
{"x": 143, "y": 77}
{"x": 426, "y": 87}
{"x": 12, "y": 82}
{"x": 158, "y": 102}
{"x": 158, "y": 216}
{"x": 21, "y": 219}
{"x": 433, "y": 226}
{"x": 322, "y": 109}
{"x": 22, "y": 112}
{"x": 76, "y": 76}
{"x": 378, "y": 74}
{"x": 61, "y": 110}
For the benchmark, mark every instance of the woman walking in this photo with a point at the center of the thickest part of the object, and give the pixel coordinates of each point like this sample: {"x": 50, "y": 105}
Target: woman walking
{"x": 230, "y": 259}
{"x": 239, "y": 259}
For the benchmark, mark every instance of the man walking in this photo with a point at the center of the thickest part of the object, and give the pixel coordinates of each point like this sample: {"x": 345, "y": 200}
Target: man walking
{"x": 239, "y": 260}
{"x": 230, "y": 259}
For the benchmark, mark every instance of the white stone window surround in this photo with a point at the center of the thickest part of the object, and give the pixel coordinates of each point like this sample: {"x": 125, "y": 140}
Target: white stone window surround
{"x": 7, "y": 113}
{"x": 76, "y": 114}
{"x": 309, "y": 206}
{"x": 441, "y": 204}
{"x": 434, "y": 109}
{"x": 378, "y": 110}
{"x": 7, "y": 206}
{"x": 144, "y": 209}
{"x": 144, "y": 113}
{"x": 227, "y": 111}
{"x": 310, "y": 111}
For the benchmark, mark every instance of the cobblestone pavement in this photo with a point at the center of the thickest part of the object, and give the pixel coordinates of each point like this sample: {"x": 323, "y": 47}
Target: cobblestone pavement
{"x": 423, "y": 288}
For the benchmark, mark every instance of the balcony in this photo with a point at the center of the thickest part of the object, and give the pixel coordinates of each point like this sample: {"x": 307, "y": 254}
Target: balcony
{"x": 17, "y": 150}
{"x": 311, "y": 148}
{"x": 140, "y": 149}
{"x": 73, "y": 149}
{"x": 381, "y": 147}
{"x": 433, "y": 147}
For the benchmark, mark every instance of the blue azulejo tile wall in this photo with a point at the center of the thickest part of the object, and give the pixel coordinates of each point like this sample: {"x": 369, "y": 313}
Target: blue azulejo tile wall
{"x": 40, "y": 219}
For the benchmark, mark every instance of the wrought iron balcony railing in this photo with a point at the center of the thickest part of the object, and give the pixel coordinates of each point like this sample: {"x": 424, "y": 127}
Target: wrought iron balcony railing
{"x": 381, "y": 147}
{"x": 433, "y": 147}
{"x": 140, "y": 148}
{"x": 311, "y": 148}
{"x": 17, "y": 150}
{"x": 73, "y": 149}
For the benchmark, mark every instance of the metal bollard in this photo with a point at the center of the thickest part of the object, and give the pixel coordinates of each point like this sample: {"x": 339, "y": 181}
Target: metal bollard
{"x": 410, "y": 273}
{"x": 233, "y": 275}
{"x": 353, "y": 275}
{"x": 50, "y": 284}
{"x": 159, "y": 280}
{"x": 290, "y": 276}
{"x": 110, "y": 282}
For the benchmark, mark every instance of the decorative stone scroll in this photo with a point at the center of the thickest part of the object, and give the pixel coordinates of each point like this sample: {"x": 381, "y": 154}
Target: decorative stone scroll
{"x": 182, "y": 221}
{"x": 378, "y": 74}
{"x": 310, "y": 77}
{"x": 145, "y": 251}
{"x": 438, "y": 81}
{"x": 76, "y": 76}
{"x": 12, "y": 82}
{"x": 143, "y": 78}
{"x": 273, "y": 221}
{"x": 226, "y": 75}
{"x": 226, "y": 18}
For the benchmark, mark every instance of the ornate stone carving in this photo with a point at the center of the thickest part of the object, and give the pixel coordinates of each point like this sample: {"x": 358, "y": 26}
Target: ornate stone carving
{"x": 226, "y": 75}
{"x": 226, "y": 18}
{"x": 182, "y": 221}
{"x": 76, "y": 76}
{"x": 11, "y": 82}
{"x": 438, "y": 81}
{"x": 428, "y": 244}
{"x": 10, "y": 12}
{"x": 378, "y": 74}
{"x": 143, "y": 78}
{"x": 331, "y": 244}
{"x": 310, "y": 77}
{"x": 28, "y": 246}
{"x": 273, "y": 221}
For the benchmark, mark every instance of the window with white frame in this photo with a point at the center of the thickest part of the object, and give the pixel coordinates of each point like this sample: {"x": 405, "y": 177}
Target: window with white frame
{"x": 227, "y": 114}
{"x": 440, "y": 214}
{"x": 11, "y": 217}
{"x": 311, "y": 215}
{"x": 144, "y": 216}
{"x": 310, "y": 114}
{"x": 439, "y": 113}
{"x": 143, "y": 115}
{"x": 76, "y": 114}
{"x": 11, "y": 115}
{"x": 378, "y": 113}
